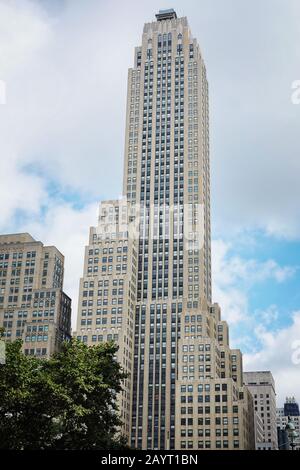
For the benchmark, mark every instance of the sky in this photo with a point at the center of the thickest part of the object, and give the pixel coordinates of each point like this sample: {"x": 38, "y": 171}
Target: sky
{"x": 63, "y": 66}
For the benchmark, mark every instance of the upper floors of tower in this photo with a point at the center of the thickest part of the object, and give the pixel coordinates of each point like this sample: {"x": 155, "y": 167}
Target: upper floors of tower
{"x": 168, "y": 34}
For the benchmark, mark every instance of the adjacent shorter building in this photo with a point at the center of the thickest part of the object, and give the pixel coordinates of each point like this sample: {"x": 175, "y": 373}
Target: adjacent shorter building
{"x": 213, "y": 408}
{"x": 107, "y": 294}
{"x": 262, "y": 388}
{"x": 33, "y": 306}
{"x": 290, "y": 412}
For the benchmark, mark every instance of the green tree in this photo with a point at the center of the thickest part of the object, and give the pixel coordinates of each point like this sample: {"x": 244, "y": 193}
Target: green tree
{"x": 67, "y": 402}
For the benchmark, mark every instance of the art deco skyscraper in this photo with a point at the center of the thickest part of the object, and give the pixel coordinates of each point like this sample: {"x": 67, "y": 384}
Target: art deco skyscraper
{"x": 166, "y": 176}
{"x": 185, "y": 385}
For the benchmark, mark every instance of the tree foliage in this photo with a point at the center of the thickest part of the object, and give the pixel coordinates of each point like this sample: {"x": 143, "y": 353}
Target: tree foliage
{"x": 67, "y": 402}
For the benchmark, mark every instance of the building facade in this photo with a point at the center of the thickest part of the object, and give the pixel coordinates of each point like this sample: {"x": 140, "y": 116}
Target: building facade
{"x": 107, "y": 294}
{"x": 290, "y": 412}
{"x": 213, "y": 408}
{"x": 167, "y": 144}
{"x": 291, "y": 407}
{"x": 176, "y": 341}
{"x": 262, "y": 388}
{"x": 258, "y": 429}
{"x": 283, "y": 439}
{"x": 33, "y": 306}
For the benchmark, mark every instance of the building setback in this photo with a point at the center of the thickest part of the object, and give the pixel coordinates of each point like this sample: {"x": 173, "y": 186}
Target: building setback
{"x": 33, "y": 306}
{"x": 147, "y": 272}
{"x": 107, "y": 294}
{"x": 262, "y": 387}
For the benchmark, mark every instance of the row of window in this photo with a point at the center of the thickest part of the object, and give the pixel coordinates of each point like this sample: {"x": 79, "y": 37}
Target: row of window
{"x": 37, "y": 328}
{"x": 102, "y": 321}
{"x": 107, "y": 259}
{"x": 208, "y": 444}
{"x": 29, "y": 254}
{"x": 208, "y": 432}
{"x": 109, "y": 250}
{"x": 100, "y": 338}
{"x": 100, "y": 302}
{"x": 102, "y": 293}
{"x": 35, "y": 352}
{"x": 202, "y": 387}
{"x": 105, "y": 283}
{"x": 33, "y": 338}
{"x": 109, "y": 268}
{"x": 17, "y": 264}
{"x": 103, "y": 311}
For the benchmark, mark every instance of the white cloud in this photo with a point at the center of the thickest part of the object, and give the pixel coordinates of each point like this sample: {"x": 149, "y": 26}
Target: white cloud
{"x": 66, "y": 93}
{"x": 269, "y": 315}
{"x": 278, "y": 355}
{"x": 233, "y": 277}
{"x": 234, "y": 281}
{"x": 24, "y": 32}
{"x": 18, "y": 191}
{"x": 67, "y": 229}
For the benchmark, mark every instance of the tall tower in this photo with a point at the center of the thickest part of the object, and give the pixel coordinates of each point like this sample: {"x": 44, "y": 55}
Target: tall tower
{"x": 173, "y": 344}
{"x": 166, "y": 170}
